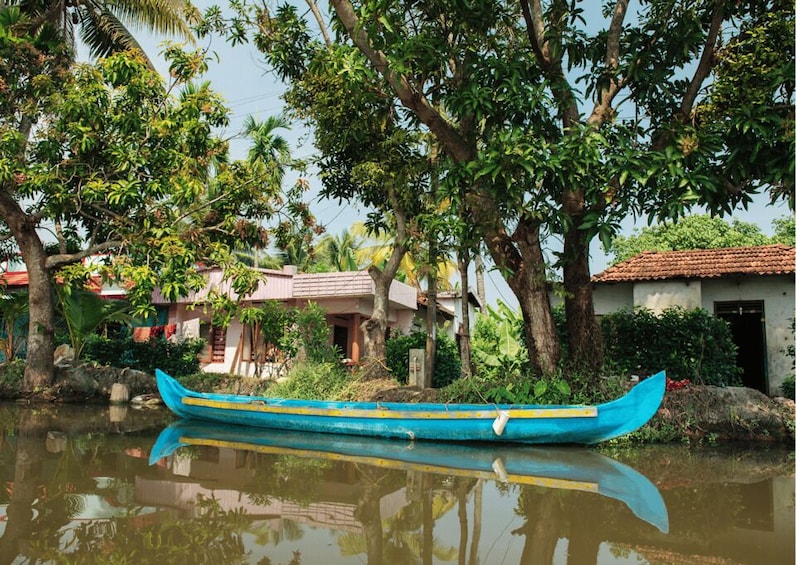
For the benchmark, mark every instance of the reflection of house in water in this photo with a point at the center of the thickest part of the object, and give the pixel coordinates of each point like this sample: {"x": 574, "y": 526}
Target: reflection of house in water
{"x": 228, "y": 476}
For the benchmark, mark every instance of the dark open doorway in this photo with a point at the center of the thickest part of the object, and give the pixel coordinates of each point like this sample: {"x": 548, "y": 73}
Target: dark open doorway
{"x": 748, "y": 326}
{"x": 340, "y": 339}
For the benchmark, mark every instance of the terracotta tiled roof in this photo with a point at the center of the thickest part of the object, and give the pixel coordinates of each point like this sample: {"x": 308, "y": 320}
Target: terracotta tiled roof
{"x": 17, "y": 278}
{"x": 703, "y": 264}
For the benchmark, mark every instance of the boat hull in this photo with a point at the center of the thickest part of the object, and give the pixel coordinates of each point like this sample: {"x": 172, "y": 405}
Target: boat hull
{"x": 426, "y": 421}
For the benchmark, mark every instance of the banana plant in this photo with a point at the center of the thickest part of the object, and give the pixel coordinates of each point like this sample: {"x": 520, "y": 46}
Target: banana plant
{"x": 85, "y": 311}
{"x": 505, "y": 354}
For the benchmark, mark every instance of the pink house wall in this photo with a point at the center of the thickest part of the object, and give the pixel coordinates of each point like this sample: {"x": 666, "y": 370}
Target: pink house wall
{"x": 346, "y": 297}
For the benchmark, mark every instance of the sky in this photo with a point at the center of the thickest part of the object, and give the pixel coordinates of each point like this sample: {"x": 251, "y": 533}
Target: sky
{"x": 240, "y": 76}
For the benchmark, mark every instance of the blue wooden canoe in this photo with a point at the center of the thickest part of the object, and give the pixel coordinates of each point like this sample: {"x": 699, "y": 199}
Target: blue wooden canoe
{"x": 556, "y": 467}
{"x": 425, "y": 421}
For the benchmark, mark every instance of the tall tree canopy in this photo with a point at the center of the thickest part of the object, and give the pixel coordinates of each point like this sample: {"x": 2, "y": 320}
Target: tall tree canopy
{"x": 558, "y": 119}
{"x": 125, "y": 166}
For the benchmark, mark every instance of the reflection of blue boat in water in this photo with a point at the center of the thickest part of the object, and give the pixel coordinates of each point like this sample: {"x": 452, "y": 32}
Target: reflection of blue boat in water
{"x": 551, "y": 467}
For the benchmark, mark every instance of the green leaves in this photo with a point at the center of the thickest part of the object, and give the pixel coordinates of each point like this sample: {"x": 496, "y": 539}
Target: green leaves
{"x": 140, "y": 173}
{"x": 691, "y": 344}
{"x": 84, "y": 311}
{"x": 497, "y": 343}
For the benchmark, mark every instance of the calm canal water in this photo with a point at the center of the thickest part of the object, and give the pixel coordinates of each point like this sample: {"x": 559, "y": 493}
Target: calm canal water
{"x": 118, "y": 485}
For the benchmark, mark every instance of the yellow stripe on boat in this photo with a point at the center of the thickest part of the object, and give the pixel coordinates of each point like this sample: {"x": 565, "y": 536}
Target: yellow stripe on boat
{"x": 386, "y": 413}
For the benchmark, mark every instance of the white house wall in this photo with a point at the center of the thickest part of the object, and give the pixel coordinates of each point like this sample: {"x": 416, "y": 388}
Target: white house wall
{"x": 777, "y": 295}
{"x": 453, "y": 302}
{"x": 187, "y": 320}
{"x": 658, "y": 296}
{"x": 342, "y": 305}
{"x": 608, "y": 298}
{"x": 402, "y": 294}
{"x": 403, "y": 320}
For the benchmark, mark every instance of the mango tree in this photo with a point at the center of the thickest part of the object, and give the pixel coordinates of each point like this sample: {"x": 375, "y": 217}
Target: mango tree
{"x": 128, "y": 168}
{"x": 558, "y": 119}
{"x": 368, "y": 151}
{"x": 533, "y": 97}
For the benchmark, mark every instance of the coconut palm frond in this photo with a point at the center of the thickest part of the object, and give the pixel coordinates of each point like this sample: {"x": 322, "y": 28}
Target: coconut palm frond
{"x": 105, "y": 27}
{"x": 167, "y": 17}
{"x": 103, "y": 33}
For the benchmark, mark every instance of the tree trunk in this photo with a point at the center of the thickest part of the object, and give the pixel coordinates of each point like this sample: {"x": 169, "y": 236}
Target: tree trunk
{"x": 522, "y": 261}
{"x": 41, "y": 327}
{"x": 585, "y": 340}
{"x": 480, "y": 286}
{"x": 463, "y": 333}
{"x": 374, "y": 329}
{"x": 431, "y": 327}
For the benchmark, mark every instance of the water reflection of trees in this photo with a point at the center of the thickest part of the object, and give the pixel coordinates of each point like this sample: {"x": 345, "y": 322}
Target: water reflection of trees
{"x": 214, "y": 537}
{"x": 49, "y": 489}
{"x": 408, "y": 536}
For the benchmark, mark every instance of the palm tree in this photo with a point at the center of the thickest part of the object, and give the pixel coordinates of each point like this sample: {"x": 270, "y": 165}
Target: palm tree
{"x": 104, "y": 26}
{"x": 85, "y": 311}
{"x": 410, "y": 271}
{"x": 267, "y": 149}
{"x": 258, "y": 259}
{"x": 344, "y": 252}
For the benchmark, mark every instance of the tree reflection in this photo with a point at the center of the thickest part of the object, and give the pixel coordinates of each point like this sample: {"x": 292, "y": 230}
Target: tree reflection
{"x": 215, "y": 536}
{"x": 27, "y": 473}
{"x": 542, "y": 528}
{"x": 477, "y": 515}
{"x": 264, "y": 534}
{"x": 368, "y": 512}
{"x": 53, "y": 476}
{"x": 581, "y": 518}
{"x": 408, "y": 536}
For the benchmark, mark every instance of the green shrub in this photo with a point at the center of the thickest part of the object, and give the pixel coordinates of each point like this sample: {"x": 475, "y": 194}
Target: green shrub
{"x": 11, "y": 378}
{"x": 311, "y": 332}
{"x": 688, "y": 344}
{"x": 202, "y": 382}
{"x": 522, "y": 389}
{"x": 312, "y": 381}
{"x": 176, "y": 358}
{"x": 787, "y": 388}
{"x": 447, "y": 364}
